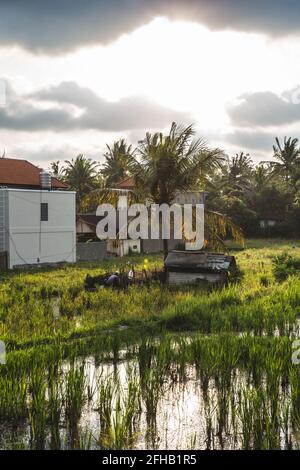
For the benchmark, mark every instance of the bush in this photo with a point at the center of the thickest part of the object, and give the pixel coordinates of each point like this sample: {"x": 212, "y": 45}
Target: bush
{"x": 264, "y": 281}
{"x": 284, "y": 266}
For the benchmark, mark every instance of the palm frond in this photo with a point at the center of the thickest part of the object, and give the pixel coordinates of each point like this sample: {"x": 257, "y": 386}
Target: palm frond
{"x": 218, "y": 227}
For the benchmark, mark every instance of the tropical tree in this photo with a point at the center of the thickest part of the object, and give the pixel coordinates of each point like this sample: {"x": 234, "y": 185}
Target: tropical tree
{"x": 81, "y": 174}
{"x": 116, "y": 162}
{"x": 287, "y": 161}
{"x": 167, "y": 164}
{"x": 260, "y": 178}
{"x": 237, "y": 174}
{"x": 57, "y": 170}
{"x": 172, "y": 163}
{"x": 258, "y": 181}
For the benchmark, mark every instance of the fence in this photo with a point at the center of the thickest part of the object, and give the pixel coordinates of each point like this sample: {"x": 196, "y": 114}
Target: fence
{"x": 93, "y": 251}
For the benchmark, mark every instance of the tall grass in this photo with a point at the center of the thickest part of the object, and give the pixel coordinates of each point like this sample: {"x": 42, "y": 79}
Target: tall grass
{"x": 64, "y": 368}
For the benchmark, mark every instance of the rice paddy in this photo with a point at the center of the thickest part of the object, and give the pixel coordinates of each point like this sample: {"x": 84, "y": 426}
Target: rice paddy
{"x": 152, "y": 368}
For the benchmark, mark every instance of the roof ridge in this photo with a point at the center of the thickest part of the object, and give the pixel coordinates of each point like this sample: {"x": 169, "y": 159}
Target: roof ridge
{"x": 23, "y": 172}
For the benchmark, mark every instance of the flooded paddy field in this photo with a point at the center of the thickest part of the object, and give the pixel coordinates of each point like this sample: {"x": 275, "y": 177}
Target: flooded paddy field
{"x": 151, "y": 368}
{"x": 174, "y": 392}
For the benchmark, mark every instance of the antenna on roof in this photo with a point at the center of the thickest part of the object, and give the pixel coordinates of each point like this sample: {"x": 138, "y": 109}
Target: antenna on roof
{"x": 3, "y": 155}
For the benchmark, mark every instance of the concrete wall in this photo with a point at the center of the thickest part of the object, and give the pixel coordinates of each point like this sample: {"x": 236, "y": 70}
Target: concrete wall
{"x": 93, "y": 251}
{"x": 31, "y": 240}
{"x": 3, "y": 220}
{"x": 192, "y": 278}
{"x": 130, "y": 246}
{"x": 155, "y": 246}
{"x": 123, "y": 247}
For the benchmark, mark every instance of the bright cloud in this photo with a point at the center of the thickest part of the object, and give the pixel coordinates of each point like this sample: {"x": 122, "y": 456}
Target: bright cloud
{"x": 232, "y": 85}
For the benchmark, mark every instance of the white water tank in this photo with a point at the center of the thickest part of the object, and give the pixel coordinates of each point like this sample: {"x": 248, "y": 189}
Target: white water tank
{"x": 45, "y": 179}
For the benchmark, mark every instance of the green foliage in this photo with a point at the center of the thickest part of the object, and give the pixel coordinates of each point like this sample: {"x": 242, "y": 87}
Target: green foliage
{"x": 285, "y": 265}
{"x": 116, "y": 165}
{"x": 81, "y": 176}
{"x": 239, "y": 213}
{"x": 80, "y": 381}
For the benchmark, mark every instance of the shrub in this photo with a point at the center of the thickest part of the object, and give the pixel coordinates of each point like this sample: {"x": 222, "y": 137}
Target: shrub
{"x": 264, "y": 281}
{"x": 284, "y": 266}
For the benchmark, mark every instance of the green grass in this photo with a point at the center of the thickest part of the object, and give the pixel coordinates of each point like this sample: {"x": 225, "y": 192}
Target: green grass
{"x": 250, "y": 391}
{"x": 257, "y": 303}
{"x": 238, "y": 339}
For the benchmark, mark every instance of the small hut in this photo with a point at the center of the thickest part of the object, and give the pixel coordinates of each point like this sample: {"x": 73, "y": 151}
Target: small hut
{"x": 193, "y": 267}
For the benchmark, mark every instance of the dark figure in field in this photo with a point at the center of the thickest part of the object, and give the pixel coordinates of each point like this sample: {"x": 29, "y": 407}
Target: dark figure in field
{"x": 92, "y": 281}
{"x": 113, "y": 280}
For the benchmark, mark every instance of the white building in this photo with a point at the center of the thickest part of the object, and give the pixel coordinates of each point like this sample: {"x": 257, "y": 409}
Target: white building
{"x": 123, "y": 247}
{"x": 37, "y": 225}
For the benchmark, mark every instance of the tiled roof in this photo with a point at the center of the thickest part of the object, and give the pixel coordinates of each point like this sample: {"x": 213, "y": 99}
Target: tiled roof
{"x": 127, "y": 183}
{"x": 22, "y": 173}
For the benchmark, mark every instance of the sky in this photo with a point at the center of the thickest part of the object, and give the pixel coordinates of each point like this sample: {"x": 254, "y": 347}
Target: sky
{"x": 75, "y": 76}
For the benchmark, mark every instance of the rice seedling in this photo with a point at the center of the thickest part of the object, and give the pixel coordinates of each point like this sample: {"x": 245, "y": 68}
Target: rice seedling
{"x": 74, "y": 393}
{"x": 119, "y": 411}
{"x": 38, "y": 407}
{"x": 233, "y": 344}
{"x": 55, "y": 404}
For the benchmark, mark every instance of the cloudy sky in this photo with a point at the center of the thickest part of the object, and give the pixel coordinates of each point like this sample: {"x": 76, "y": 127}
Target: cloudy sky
{"x": 78, "y": 75}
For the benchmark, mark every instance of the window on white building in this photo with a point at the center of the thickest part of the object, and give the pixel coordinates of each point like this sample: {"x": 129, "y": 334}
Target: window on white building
{"x": 44, "y": 211}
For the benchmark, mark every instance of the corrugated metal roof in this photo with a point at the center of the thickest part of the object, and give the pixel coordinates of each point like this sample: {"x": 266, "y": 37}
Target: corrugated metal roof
{"x": 90, "y": 219}
{"x": 199, "y": 260}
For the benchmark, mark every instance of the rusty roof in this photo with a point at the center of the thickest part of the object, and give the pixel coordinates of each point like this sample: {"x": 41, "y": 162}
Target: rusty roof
{"x": 127, "y": 183}
{"x": 199, "y": 260}
{"x": 15, "y": 172}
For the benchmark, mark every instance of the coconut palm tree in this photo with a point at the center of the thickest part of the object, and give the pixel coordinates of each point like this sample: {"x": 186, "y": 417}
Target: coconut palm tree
{"x": 166, "y": 164}
{"x": 81, "y": 175}
{"x": 172, "y": 163}
{"x": 260, "y": 177}
{"x": 116, "y": 162}
{"x": 287, "y": 162}
{"x": 57, "y": 170}
{"x": 237, "y": 174}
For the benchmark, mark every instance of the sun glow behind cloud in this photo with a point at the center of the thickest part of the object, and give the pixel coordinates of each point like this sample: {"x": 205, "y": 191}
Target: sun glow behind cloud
{"x": 180, "y": 65}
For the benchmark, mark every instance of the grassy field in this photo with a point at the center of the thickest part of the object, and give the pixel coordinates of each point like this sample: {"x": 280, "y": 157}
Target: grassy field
{"x": 108, "y": 368}
{"x": 26, "y": 300}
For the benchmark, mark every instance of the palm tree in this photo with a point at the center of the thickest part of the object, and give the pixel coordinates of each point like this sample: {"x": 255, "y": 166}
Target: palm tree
{"x": 164, "y": 165}
{"x": 258, "y": 182}
{"x": 57, "y": 170}
{"x": 81, "y": 175}
{"x": 172, "y": 163}
{"x": 288, "y": 160}
{"x": 116, "y": 162}
{"x": 260, "y": 177}
{"x": 237, "y": 174}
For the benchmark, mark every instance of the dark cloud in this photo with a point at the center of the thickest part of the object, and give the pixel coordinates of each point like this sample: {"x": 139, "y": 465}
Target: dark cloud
{"x": 20, "y": 114}
{"x": 273, "y": 17}
{"x": 55, "y": 26}
{"x": 266, "y": 109}
{"x": 258, "y": 140}
{"x": 94, "y": 113}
